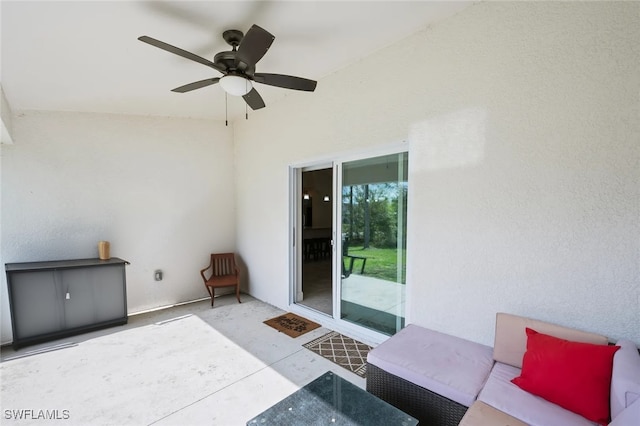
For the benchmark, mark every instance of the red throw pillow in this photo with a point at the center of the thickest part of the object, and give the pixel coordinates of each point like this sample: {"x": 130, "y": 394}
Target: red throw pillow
{"x": 573, "y": 375}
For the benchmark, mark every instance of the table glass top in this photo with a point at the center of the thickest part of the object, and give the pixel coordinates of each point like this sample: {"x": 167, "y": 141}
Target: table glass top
{"x": 332, "y": 400}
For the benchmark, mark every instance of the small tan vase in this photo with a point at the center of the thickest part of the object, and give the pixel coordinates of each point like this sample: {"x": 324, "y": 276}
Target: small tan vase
{"x": 103, "y": 250}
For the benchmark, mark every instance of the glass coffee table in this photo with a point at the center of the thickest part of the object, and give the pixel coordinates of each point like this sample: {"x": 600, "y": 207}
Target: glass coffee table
{"x": 329, "y": 400}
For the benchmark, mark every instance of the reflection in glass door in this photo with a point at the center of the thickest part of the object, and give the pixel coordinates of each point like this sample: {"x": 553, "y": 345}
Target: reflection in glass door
{"x": 373, "y": 229}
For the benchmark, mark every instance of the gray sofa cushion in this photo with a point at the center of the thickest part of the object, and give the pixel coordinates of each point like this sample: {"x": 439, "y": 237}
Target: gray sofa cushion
{"x": 500, "y": 393}
{"x": 450, "y": 366}
{"x": 630, "y": 416}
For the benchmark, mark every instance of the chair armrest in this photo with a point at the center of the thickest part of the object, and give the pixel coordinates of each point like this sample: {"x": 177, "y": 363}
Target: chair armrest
{"x": 203, "y": 271}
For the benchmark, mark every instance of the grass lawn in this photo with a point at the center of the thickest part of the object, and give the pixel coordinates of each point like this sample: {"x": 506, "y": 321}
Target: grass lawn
{"x": 381, "y": 262}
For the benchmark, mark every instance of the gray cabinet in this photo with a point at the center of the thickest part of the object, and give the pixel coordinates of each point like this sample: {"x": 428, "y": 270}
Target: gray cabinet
{"x": 50, "y": 300}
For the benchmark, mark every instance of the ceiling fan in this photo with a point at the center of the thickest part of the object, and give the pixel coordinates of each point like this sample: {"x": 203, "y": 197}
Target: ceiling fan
{"x": 238, "y": 66}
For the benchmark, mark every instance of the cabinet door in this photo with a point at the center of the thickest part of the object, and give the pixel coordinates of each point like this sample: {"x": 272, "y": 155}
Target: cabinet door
{"x": 36, "y": 303}
{"x": 109, "y": 293}
{"x": 77, "y": 290}
{"x": 95, "y": 295}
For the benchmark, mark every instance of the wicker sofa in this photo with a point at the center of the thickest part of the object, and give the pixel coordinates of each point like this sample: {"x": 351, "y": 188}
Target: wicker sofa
{"x": 445, "y": 380}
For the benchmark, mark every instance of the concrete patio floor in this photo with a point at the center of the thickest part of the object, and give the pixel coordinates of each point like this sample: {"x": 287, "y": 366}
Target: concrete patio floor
{"x": 285, "y": 365}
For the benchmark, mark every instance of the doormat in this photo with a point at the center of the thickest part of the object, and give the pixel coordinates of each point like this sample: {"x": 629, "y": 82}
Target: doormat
{"x": 342, "y": 350}
{"x": 291, "y": 324}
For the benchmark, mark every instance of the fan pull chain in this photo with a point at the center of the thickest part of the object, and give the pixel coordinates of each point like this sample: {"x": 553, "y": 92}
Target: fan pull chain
{"x": 246, "y": 109}
{"x": 226, "y": 113}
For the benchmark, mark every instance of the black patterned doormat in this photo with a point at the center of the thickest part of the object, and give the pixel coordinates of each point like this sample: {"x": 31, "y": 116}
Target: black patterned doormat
{"x": 342, "y": 350}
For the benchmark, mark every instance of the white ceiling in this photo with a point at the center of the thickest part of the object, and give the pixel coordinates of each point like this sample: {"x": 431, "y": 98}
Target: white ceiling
{"x": 85, "y": 56}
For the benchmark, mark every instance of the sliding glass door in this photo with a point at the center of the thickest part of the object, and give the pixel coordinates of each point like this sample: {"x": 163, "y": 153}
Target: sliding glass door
{"x": 372, "y": 221}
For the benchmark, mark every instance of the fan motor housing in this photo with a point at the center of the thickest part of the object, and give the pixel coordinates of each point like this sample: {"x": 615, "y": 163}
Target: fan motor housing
{"x": 232, "y": 61}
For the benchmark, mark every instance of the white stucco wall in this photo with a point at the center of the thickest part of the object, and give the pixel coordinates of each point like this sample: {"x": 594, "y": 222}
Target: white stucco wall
{"x": 159, "y": 189}
{"x": 523, "y": 120}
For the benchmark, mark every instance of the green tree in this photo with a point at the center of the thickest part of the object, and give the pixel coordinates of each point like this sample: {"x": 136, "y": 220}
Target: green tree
{"x": 370, "y": 214}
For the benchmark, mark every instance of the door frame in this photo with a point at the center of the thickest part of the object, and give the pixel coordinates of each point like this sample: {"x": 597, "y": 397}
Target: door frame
{"x": 295, "y": 228}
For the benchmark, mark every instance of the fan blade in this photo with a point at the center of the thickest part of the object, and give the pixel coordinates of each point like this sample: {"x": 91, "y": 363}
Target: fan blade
{"x": 286, "y": 81}
{"x": 255, "y": 44}
{"x": 180, "y": 52}
{"x": 253, "y": 99}
{"x": 196, "y": 85}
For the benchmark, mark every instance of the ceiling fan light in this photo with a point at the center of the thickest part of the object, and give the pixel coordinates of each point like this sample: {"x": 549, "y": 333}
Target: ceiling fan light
{"x": 235, "y": 85}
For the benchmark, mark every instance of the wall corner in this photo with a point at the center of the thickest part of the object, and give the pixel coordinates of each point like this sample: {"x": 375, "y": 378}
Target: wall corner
{"x": 6, "y": 123}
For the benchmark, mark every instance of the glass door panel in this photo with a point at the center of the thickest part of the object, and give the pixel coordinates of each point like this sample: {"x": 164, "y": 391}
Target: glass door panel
{"x": 373, "y": 229}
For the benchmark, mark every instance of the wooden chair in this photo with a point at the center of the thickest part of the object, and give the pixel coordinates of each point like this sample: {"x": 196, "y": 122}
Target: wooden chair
{"x": 224, "y": 273}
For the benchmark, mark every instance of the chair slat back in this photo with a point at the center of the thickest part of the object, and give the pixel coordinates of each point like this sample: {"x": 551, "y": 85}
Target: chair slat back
{"x": 223, "y": 264}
